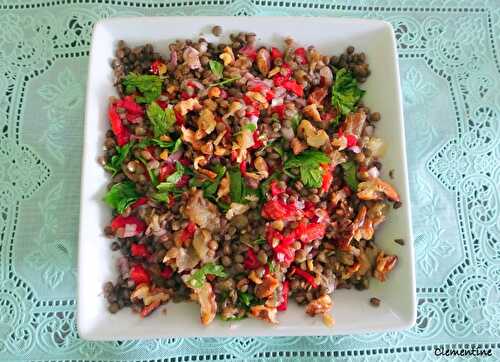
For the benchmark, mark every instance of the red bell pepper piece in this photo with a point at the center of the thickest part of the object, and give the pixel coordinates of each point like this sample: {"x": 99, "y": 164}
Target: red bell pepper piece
{"x": 279, "y": 79}
{"x": 286, "y": 71}
{"x": 285, "y": 254}
{"x": 188, "y": 232}
{"x": 147, "y": 310}
{"x": 251, "y": 261}
{"x": 166, "y": 170}
{"x": 243, "y": 168}
{"x": 327, "y": 178}
{"x": 280, "y": 110}
{"x": 294, "y": 87}
{"x": 301, "y": 55}
{"x": 167, "y": 272}
{"x": 123, "y": 221}
{"x": 249, "y": 51}
{"x": 275, "y": 189}
{"x": 158, "y": 67}
{"x": 276, "y": 53}
{"x": 130, "y": 105}
{"x": 140, "y": 201}
{"x": 179, "y": 118}
{"x": 121, "y": 132}
{"x": 270, "y": 95}
{"x": 257, "y": 142}
{"x": 307, "y": 277}
{"x": 352, "y": 140}
{"x": 139, "y": 250}
{"x": 284, "y": 305}
{"x": 139, "y": 275}
{"x": 310, "y": 232}
{"x": 275, "y": 210}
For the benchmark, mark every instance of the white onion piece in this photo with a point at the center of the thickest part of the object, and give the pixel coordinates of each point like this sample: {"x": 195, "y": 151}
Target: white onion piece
{"x": 276, "y": 102}
{"x": 129, "y": 230}
{"x": 355, "y": 149}
{"x": 373, "y": 172}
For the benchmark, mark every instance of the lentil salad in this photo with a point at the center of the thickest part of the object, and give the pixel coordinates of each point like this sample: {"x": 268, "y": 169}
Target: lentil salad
{"x": 242, "y": 176}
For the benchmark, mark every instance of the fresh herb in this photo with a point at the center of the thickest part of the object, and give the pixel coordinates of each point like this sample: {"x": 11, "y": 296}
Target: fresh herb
{"x": 115, "y": 164}
{"x": 246, "y": 299}
{"x": 236, "y": 185}
{"x": 161, "y": 196}
{"x": 216, "y": 67}
{"x": 259, "y": 241}
{"x": 200, "y": 276}
{"x": 249, "y": 127}
{"x": 169, "y": 184}
{"x": 177, "y": 145}
{"x": 151, "y": 173}
{"x": 224, "y": 207}
{"x": 272, "y": 266}
{"x": 172, "y": 146}
{"x": 309, "y": 163}
{"x": 350, "y": 175}
{"x": 149, "y": 85}
{"x": 345, "y": 92}
{"x": 162, "y": 120}
{"x": 121, "y": 196}
{"x": 295, "y": 121}
{"x": 225, "y": 81}
{"x": 212, "y": 186}
{"x": 279, "y": 150}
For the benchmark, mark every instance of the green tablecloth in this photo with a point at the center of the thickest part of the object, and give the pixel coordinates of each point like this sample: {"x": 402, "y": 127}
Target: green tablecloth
{"x": 450, "y": 64}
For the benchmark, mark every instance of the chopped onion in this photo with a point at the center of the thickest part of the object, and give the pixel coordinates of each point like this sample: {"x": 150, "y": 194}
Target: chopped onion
{"x": 355, "y": 149}
{"x": 176, "y": 156}
{"x": 276, "y": 102}
{"x": 129, "y": 230}
{"x": 373, "y": 172}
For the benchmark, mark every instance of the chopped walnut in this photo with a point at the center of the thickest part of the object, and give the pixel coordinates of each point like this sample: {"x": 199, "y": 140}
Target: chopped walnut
{"x": 317, "y": 96}
{"x": 355, "y": 123}
{"x": 267, "y": 287}
{"x": 267, "y": 314}
{"x": 256, "y": 96}
{"x": 199, "y": 161}
{"x": 200, "y": 242}
{"x": 263, "y": 61}
{"x": 254, "y": 278}
{"x": 190, "y": 137}
{"x": 185, "y": 106}
{"x": 236, "y": 209}
{"x": 149, "y": 295}
{"x": 227, "y": 56}
{"x": 321, "y": 305}
{"x": 375, "y": 189}
{"x": 208, "y": 306}
{"x": 297, "y": 146}
{"x": 210, "y": 174}
{"x": 214, "y": 92}
{"x": 223, "y": 187}
{"x": 384, "y": 264}
{"x": 314, "y": 138}
{"x": 206, "y": 121}
{"x": 207, "y": 148}
{"x": 312, "y": 111}
{"x": 201, "y": 211}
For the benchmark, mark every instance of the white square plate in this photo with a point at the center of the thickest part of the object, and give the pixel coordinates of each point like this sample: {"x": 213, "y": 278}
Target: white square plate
{"x": 352, "y": 311}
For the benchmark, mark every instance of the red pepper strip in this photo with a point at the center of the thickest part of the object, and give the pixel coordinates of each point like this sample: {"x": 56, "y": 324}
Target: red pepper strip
{"x": 286, "y": 71}
{"x": 308, "y": 277}
{"x": 139, "y": 250}
{"x": 166, "y": 170}
{"x": 352, "y": 140}
{"x": 278, "y": 80}
{"x": 270, "y": 95}
{"x": 327, "y": 178}
{"x": 301, "y": 55}
{"x": 162, "y": 104}
{"x": 167, "y": 272}
{"x": 310, "y": 232}
{"x": 249, "y": 51}
{"x": 284, "y": 305}
{"x": 130, "y": 105}
{"x": 257, "y": 142}
{"x": 121, "y": 132}
{"x": 243, "y": 168}
{"x": 122, "y": 221}
{"x": 140, "y": 201}
{"x": 275, "y": 189}
{"x": 147, "y": 310}
{"x": 139, "y": 275}
{"x": 188, "y": 232}
{"x": 179, "y": 118}
{"x": 285, "y": 254}
{"x": 276, "y": 53}
{"x": 294, "y": 87}
{"x": 280, "y": 110}
{"x": 251, "y": 261}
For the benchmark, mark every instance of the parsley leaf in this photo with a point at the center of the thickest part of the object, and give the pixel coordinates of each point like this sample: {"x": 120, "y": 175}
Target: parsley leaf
{"x": 162, "y": 120}
{"x": 171, "y": 180}
{"x": 160, "y": 196}
{"x": 309, "y": 163}
{"x": 212, "y": 186}
{"x": 225, "y": 81}
{"x": 149, "y": 85}
{"x": 295, "y": 120}
{"x": 249, "y": 127}
{"x": 350, "y": 176}
{"x": 177, "y": 145}
{"x": 200, "y": 276}
{"x": 121, "y": 196}
{"x": 151, "y": 173}
{"x": 236, "y": 185}
{"x": 216, "y": 67}
{"x": 115, "y": 164}
{"x": 345, "y": 92}
{"x": 246, "y": 299}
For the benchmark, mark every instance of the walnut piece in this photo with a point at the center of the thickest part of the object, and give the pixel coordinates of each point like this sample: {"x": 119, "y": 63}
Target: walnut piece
{"x": 321, "y": 305}
{"x": 265, "y": 313}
